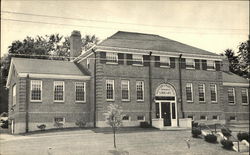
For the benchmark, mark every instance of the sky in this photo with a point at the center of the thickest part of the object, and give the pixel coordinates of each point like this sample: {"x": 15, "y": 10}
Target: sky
{"x": 209, "y": 25}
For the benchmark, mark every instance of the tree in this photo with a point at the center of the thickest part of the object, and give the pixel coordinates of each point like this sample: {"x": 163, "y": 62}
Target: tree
{"x": 244, "y": 58}
{"x": 114, "y": 118}
{"x": 233, "y": 61}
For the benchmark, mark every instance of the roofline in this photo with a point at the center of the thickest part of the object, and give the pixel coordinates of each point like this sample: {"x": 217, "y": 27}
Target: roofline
{"x": 240, "y": 84}
{"x": 10, "y": 73}
{"x": 54, "y": 76}
{"x": 155, "y": 52}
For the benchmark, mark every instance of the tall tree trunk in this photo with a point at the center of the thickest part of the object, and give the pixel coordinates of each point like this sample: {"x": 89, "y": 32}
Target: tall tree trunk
{"x": 114, "y": 138}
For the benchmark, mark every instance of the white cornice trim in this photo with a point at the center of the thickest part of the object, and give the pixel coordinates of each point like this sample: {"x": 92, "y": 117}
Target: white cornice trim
{"x": 85, "y": 57}
{"x": 159, "y": 53}
{"x": 10, "y": 74}
{"x": 54, "y": 76}
{"x": 235, "y": 84}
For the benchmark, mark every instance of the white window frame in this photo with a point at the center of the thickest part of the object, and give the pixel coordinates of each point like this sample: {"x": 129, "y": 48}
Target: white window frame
{"x": 111, "y": 56}
{"x": 41, "y": 83}
{"x": 247, "y": 96}
{"x": 142, "y": 119}
{"x": 164, "y": 59}
{"x": 192, "y": 94}
{"x": 128, "y": 90}
{"x": 204, "y": 91}
{"x": 63, "y": 91}
{"x": 203, "y": 119}
{"x": 215, "y": 87}
{"x": 14, "y": 94}
{"x": 88, "y": 63}
{"x": 189, "y": 59}
{"x": 208, "y": 65}
{"x": 113, "y": 87}
{"x": 84, "y": 86}
{"x": 137, "y": 83}
{"x": 60, "y": 117}
{"x": 233, "y": 95}
{"x": 137, "y": 57}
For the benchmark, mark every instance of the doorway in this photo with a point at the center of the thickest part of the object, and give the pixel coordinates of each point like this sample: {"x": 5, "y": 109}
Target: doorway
{"x": 166, "y": 113}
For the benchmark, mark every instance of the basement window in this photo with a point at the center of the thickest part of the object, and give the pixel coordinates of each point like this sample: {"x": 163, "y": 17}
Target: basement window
{"x": 215, "y": 117}
{"x": 232, "y": 118}
{"x": 202, "y": 117}
{"x": 125, "y": 118}
{"x": 140, "y": 118}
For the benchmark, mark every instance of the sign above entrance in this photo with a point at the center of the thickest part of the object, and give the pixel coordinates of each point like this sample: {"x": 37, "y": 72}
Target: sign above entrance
{"x": 165, "y": 90}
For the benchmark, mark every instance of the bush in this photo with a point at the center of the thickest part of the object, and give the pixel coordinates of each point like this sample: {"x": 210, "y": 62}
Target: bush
{"x": 196, "y": 132}
{"x": 211, "y": 138}
{"x": 41, "y": 127}
{"x": 80, "y": 123}
{"x": 226, "y": 132}
{"x": 243, "y": 136}
{"x": 144, "y": 125}
{"x": 227, "y": 144}
{"x": 4, "y": 124}
{"x": 195, "y": 124}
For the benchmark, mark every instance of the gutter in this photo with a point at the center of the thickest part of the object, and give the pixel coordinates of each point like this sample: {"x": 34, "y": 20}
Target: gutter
{"x": 94, "y": 89}
{"x": 27, "y": 105}
{"x": 150, "y": 89}
{"x": 180, "y": 83}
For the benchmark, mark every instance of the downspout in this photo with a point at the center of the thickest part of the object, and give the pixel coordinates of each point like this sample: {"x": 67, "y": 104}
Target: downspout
{"x": 150, "y": 90}
{"x": 94, "y": 89}
{"x": 180, "y": 83}
{"x": 27, "y": 104}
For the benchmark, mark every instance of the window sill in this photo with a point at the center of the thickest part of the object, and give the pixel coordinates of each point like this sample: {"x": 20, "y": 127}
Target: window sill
{"x": 59, "y": 102}
{"x": 110, "y": 100}
{"x": 137, "y": 65}
{"x": 165, "y": 66}
{"x": 112, "y": 63}
{"x": 190, "y": 102}
{"x": 140, "y": 101}
{"x": 201, "y": 102}
{"x": 125, "y": 100}
{"x": 36, "y": 101}
{"x": 80, "y": 102}
{"x": 210, "y": 69}
{"x": 232, "y": 104}
{"x": 244, "y": 104}
{"x": 214, "y": 102}
{"x": 190, "y": 68}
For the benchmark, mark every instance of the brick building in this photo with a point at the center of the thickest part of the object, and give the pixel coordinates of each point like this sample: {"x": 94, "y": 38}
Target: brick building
{"x": 154, "y": 79}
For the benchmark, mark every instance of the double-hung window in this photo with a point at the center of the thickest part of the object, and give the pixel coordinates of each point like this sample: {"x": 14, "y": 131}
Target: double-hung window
{"x": 201, "y": 90}
{"x": 231, "y": 96}
{"x": 36, "y": 90}
{"x": 80, "y": 91}
{"x": 140, "y": 90}
{"x": 137, "y": 60}
{"x": 190, "y": 63}
{"x": 189, "y": 92}
{"x": 58, "y": 91}
{"x": 213, "y": 91}
{"x": 125, "y": 90}
{"x": 210, "y": 65}
{"x": 244, "y": 96}
{"x": 14, "y": 94}
{"x": 110, "y": 90}
{"x": 112, "y": 57}
{"x": 164, "y": 61}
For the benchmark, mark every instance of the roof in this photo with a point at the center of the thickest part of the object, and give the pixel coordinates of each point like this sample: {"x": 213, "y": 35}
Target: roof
{"x": 42, "y": 66}
{"x": 150, "y": 42}
{"x": 233, "y": 78}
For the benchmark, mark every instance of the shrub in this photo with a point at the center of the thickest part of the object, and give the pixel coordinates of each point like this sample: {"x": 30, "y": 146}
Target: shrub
{"x": 243, "y": 136}
{"x": 196, "y": 132}
{"x": 144, "y": 125}
{"x": 4, "y": 124}
{"x": 195, "y": 124}
{"x": 80, "y": 123}
{"x": 211, "y": 138}
{"x": 227, "y": 144}
{"x": 226, "y": 132}
{"x": 41, "y": 127}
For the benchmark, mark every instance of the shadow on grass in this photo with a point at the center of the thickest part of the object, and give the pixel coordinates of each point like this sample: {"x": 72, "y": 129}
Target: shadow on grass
{"x": 119, "y": 152}
{"x": 108, "y": 130}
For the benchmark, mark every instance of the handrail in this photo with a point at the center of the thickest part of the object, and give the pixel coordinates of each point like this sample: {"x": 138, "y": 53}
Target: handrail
{"x": 235, "y": 139}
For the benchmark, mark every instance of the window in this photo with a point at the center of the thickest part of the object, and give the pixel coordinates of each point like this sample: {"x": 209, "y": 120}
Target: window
{"x": 88, "y": 63}
{"x": 244, "y": 96}
{"x": 58, "y": 91}
{"x": 164, "y": 62}
{"x": 14, "y": 94}
{"x": 36, "y": 90}
{"x": 59, "y": 120}
{"x": 202, "y": 117}
{"x": 215, "y": 117}
{"x": 112, "y": 57}
{"x": 140, "y": 118}
{"x": 190, "y": 63}
{"x": 110, "y": 89}
{"x": 190, "y": 116}
{"x": 125, "y": 90}
{"x": 232, "y": 118}
{"x": 140, "y": 90}
{"x": 137, "y": 60}
{"x": 189, "y": 92}
{"x": 201, "y": 89}
{"x": 213, "y": 91}
{"x": 80, "y": 91}
{"x": 210, "y": 65}
{"x": 125, "y": 118}
{"x": 231, "y": 96}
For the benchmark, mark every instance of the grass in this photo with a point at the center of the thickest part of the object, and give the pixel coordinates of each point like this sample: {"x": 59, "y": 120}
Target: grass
{"x": 99, "y": 141}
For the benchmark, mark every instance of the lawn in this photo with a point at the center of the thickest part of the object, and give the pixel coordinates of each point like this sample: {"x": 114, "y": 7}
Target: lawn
{"x": 133, "y": 141}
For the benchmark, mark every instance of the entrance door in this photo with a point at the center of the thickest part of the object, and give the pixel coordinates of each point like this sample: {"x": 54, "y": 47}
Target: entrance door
{"x": 165, "y": 113}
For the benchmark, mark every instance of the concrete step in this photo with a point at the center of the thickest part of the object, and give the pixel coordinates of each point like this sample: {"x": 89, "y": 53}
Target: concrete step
{"x": 174, "y": 128}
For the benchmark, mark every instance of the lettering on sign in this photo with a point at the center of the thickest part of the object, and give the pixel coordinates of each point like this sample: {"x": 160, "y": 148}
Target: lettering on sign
{"x": 165, "y": 90}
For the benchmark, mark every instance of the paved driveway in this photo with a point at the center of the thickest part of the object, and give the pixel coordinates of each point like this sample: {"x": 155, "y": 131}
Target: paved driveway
{"x": 133, "y": 141}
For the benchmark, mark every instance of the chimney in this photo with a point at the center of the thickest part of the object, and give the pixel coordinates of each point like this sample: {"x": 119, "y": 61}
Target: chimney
{"x": 225, "y": 65}
{"x": 75, "y": 44}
